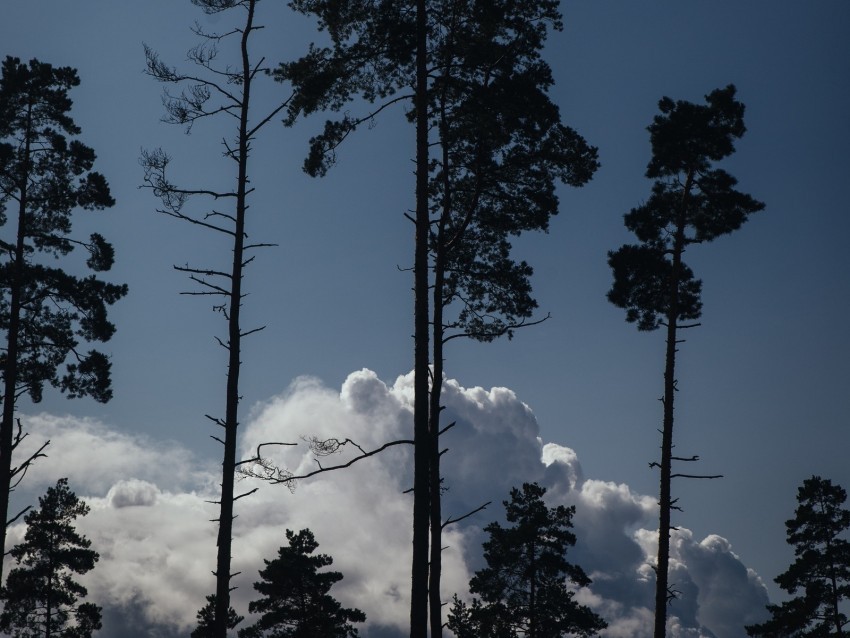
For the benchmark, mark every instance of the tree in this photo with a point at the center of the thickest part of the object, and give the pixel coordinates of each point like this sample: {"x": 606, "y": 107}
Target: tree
{"x": 41, "y": 596}
{"x": 214, "y": 91}
{"x": 476, "y": 81}
{"x": 296, "y": 602}
{"x": 206, "y": 619}
{"x": 692, "y": 202}
{"x": 821, "y": 569}
{"x": 500, "y": 149}
{"x": 527, "y": 588}
{"x": 48, "y": 314}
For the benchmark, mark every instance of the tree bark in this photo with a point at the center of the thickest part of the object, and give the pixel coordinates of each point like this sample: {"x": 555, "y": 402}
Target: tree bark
{"x": 435, "y": 572}
{"x": 421, "y": 483}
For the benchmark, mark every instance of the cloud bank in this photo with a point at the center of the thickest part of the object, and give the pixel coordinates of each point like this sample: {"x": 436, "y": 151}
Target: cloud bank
{"x": 150, "y": 515}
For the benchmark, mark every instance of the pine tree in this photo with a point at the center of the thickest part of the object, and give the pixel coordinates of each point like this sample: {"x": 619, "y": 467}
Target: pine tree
{"x": 41, "y": 597}
{"x": 206, "y": 619}
{"x": 500, "y": 149}
{"x": 47, "y": 313}
{"x": 692, "y": 202}
{"x": 527, "y": 588}
{"x": 477, "y": 85}
{"x": 819, "y": 577}
{"x": 296, "y": 602}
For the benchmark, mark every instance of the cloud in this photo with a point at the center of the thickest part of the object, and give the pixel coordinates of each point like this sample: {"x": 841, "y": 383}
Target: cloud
{"x": 150, "y": 512}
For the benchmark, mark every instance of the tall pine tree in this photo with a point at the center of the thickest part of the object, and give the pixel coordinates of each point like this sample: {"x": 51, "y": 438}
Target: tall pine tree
{"x": 692, "y": 202}
{"x": 48, "y": 313}
{"x": 500, "y": 150}
{"x": 477, "y": 86}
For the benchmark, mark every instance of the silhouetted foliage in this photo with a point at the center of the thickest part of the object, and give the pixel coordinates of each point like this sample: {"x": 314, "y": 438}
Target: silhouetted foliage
{"x": 47, "y": 313}
{"x": 296, "y": 602}
{"x": 41, "y": 597}
{"x": 500, "y": 150}
{"x": 528, "y": 586}
{"x": 819, "y": 577}
{"x": 206, "y": 619}
{"x": 692, "y": 202}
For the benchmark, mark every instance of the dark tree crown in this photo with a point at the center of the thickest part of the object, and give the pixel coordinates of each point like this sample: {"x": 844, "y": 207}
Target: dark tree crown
{"x": 41, "y": 597}
{"x": 819, "y": 577}
{"x": 691, "y": 202}
{"x": 296, "y": 600}
{"x": 44, "y": 177}
{"x": 527, "y": 588}
{"x": 500, "y": 148}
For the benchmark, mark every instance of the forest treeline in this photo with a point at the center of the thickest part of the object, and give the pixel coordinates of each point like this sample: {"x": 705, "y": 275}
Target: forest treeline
{"x": 490, "y": 151}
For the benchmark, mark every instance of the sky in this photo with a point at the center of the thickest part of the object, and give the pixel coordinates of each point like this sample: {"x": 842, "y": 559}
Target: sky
{"x": 763, "y": 382}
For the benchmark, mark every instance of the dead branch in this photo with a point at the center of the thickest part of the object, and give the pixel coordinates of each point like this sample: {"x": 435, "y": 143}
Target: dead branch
{"x": 277, "y": 475}
{"x": 450, "y": 520}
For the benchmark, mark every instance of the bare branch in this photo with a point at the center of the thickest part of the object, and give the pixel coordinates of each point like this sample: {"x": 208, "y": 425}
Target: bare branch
{"x": 451, "y": 520}
{"x": 16, "y": 517}
{"x": 248, "y": 493}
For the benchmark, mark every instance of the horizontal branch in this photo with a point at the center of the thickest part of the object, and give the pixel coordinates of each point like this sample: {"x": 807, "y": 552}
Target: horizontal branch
{"x": 276, "y": 475}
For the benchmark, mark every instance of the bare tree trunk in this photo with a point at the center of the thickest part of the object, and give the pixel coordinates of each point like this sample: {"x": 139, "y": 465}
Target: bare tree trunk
{"x": 435, "y": 573}
{"x": 231, "y": 419}
{"x": 419, "y": 571}
{"x": 665, "y": 501}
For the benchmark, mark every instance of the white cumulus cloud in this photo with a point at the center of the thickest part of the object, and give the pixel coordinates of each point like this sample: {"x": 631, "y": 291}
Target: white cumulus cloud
{"x": 150, "y": 512}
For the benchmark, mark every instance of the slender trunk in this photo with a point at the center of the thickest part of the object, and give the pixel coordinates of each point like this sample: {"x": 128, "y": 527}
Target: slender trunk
{"x": 10, "y": 373}
{"x": 836, "y": 596}
{"x": 440, "y": 249}
{"x": 48, "y": 603}
{"x": 435, "y": 573}
{"x": 231, "y": 421}
{"x": 419, "y": 571}
{"x": 532, "y": 594}
{"x": 665, "y": 501}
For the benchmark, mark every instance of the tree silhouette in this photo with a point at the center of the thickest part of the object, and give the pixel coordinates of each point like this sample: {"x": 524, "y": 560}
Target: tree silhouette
{"x": 499, "y": 148}
{"x": 692, "y": 202}
{"x": 206, "y": 619}
{"x": 527, "y": 588}
{"x": 217, "y": 90}
{"x": 296, "y": 602}
{"x": 47, "y": 313}
{"x": 41, "y": 597}
{"x": 821, "y": 569}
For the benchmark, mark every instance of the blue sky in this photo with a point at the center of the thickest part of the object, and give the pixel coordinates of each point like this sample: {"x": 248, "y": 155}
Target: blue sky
{"x": 764, "y": 382}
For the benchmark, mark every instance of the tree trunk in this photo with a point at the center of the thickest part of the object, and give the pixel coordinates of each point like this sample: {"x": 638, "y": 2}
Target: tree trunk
{"x": 435, "y": 573}
{"x": 532, "y": 593}
{"x": 10, "y": 373}
{"x": 665, "y": 501}
{"x": 421, "y": 483}
{"x": 231, "y": 419}
{"x": 836, "y": 596}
